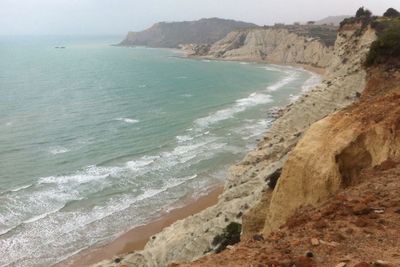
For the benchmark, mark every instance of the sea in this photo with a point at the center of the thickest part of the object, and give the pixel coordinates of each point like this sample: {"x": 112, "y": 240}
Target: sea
{"x": 96, "y": 139}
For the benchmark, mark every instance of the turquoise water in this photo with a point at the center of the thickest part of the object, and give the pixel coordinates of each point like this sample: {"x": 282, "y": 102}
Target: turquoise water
{"x": 96, "y": 139}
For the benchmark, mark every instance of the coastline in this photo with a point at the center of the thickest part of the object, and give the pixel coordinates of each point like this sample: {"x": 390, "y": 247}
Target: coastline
{"x": 136, "y": 238}
{"x": 317, "y": 70}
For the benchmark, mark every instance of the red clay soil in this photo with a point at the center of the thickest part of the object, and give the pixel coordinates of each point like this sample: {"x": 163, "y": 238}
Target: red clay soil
{"x": 359, "y": 227}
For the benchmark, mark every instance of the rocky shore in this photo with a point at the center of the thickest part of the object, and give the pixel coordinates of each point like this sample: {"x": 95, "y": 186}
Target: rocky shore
{"x": 247, "y": 199}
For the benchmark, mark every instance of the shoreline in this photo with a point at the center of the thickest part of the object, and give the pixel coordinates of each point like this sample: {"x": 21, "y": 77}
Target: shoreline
{"x": 186, "y": 54}
{"x": 136, "y": 238}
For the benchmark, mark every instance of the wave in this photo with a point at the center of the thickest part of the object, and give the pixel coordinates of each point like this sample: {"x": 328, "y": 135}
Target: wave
{"x": 270, "y": 68}
{"x": 127, "y": 120}
{"x": 136, "y": 165}
{"x": 92, "y": 173}
{"x": 40, "y": 216}
{"x": 291, "y": 76}
{"x": 311, "y": 82}
{"x": 58, "y": 150}
{"x": 241, "y": 105}
{"x": 183, "y": 138}
{"x": 20, "y": 188}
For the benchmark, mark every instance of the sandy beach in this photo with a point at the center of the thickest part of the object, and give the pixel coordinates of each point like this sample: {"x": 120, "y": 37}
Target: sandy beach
{"x": 137, "y": 238}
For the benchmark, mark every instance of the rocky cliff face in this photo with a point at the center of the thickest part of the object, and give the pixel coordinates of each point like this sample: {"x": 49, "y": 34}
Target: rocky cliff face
{"x": 246, "y": 190}
{"x": 335, "y": 150}
{"x": 274, "y": 44}
{"x": 172, "y": 34}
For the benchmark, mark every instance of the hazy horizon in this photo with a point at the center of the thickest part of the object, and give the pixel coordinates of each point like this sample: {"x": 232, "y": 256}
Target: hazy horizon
{"x": 105, "y": 17}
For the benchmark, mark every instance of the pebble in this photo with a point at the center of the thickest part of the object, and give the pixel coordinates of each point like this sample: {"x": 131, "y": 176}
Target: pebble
{"x": 314, "y": 242}
{"x": 342, "y": 264}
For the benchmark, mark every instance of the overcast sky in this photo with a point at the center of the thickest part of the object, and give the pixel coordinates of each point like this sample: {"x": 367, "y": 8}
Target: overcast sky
{"x": 96, "y": 17}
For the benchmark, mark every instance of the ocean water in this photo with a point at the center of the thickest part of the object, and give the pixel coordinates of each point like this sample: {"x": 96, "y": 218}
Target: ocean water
{"x": 96, "y": 139}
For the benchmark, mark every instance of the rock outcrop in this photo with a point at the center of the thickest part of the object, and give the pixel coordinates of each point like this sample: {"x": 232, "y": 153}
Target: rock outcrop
{"x": 246, "y": 188}
{"x": 335, "y": 150}
{"x": 308, "y": 45}
{"x": 172, "y": 34}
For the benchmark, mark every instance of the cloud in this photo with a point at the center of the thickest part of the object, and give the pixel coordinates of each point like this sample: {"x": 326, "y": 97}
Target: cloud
{"x": 119, "y": 16}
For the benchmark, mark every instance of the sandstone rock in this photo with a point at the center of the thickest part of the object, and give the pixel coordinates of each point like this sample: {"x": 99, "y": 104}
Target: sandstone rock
{"x": 342, "y": 264}
{"x": 314, "y": 241}
{"x": 274, "y": 45}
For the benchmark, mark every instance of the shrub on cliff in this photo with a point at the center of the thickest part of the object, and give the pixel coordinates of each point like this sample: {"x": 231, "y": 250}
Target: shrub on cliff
{"x": 363, "y": 16}
{"x": 362, "y": 12}
{"x": 386, "y": 49}
{"x": 230, "y": 236}
{"x": 391, "y": 13}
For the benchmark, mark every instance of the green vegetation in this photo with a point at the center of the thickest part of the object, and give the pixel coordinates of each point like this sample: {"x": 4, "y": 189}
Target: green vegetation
{"x": 230, "y": 236}
{"x": 392, "y": 13}
{"x": 386, "y": 49}
{"x": 361, "y": 13}
{"x": 363, "y": 16}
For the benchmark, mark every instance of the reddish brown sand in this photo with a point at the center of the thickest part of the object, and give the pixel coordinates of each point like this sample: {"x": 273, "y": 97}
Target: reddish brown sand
{"x": 137, "y": 238}
{"x": 359, "y": 227}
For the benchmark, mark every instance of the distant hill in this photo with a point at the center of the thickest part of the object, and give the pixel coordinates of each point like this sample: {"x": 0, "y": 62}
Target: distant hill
{"x": 172, "y": 34}
{"x": 335, "y": 20}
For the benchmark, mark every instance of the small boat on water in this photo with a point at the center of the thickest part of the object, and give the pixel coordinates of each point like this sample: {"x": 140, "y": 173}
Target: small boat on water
{"x": 60, "y": 47}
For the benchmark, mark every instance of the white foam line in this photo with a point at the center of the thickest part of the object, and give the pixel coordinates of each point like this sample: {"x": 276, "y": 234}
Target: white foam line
{"x": 20, "y": 188}
{"x": 59, "y": 150}
{"x": 291, "y": 76}
{"x": 127, "y": 120}
{"x": 40, "y": 216}
{"x": 241, "y": 105}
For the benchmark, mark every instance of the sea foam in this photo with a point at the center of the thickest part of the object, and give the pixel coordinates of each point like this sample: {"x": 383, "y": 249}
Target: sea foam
{"x": 241, "y": 105}
{"x": 128, "y": 120}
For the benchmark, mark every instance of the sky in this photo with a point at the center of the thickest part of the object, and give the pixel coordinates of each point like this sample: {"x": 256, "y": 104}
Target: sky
{"x": 116, "y": 17}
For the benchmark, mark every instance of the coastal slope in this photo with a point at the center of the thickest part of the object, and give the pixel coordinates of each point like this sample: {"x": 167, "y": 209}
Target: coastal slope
{"x": 172, "y": 34}
{"x": 334, "y": 203}
{"x": 246, "y": 188}
{"x": 307, "y": 45}
{"x": 358, "y": 227}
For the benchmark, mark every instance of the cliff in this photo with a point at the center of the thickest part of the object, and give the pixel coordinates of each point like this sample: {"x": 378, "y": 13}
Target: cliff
{"x": 246, "y": 198}
{"x": 334, "y": 203}
{"x": 172, "y": 34}
{"x": 308, "y": 45}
